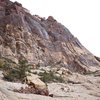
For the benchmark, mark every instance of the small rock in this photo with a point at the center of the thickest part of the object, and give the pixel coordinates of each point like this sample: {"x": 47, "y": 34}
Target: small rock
{"x": 59, "y": 72}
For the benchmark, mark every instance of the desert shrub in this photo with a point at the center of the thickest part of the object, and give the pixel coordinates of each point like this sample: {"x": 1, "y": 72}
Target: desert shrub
{"x": 6, "y": 64}
{"x": 50, "y": 77}
{"x": 23, "y": 67}
{"x": 17, "y": 73}
{"x": 11, "y": 75}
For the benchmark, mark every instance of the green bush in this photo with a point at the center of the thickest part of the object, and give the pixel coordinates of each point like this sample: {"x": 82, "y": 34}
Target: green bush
{"x": 6, "y": 64}
{"x": 11, "y": 75}
{"x": 17, "y": 73}
{"x": 50, "y": 77}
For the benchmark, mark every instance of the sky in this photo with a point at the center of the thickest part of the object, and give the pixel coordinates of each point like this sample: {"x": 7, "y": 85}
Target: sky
{"x": 81, "y": 17}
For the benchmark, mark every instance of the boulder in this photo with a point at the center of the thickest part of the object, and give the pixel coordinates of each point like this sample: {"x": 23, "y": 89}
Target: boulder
{"x": 35, "y": 81}
{"x": 36, "y": 86}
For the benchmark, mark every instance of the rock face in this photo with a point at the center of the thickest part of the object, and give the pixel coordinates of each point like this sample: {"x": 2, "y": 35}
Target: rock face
{"x": 49, "y": 47}
{"x": 41, "y": 41}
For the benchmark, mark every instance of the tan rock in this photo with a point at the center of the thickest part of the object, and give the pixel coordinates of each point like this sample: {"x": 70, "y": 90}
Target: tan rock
{"x": 34, "y": 79}
{"x": 59, "y": 72}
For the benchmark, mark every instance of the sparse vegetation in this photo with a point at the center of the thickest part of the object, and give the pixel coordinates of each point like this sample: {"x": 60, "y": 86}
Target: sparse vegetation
{"x": 1, "y": 63}
{"x": 50, "y": 77}
{"x": 16, "y": 73}
{"x": 95, "y": 73}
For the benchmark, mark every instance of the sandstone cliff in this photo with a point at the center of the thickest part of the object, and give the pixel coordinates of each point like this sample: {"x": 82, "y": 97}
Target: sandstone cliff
{"x": 41, "y": 41}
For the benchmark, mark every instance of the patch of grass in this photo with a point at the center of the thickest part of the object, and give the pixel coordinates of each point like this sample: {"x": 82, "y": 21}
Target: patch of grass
{"x": 50, "y": 77}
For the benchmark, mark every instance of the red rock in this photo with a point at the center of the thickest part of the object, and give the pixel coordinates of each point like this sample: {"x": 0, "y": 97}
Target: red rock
{"x": 42, "y": 42}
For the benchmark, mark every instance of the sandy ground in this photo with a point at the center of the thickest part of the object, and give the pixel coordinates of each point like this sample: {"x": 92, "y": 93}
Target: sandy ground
{"x": 78, "y": 88}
